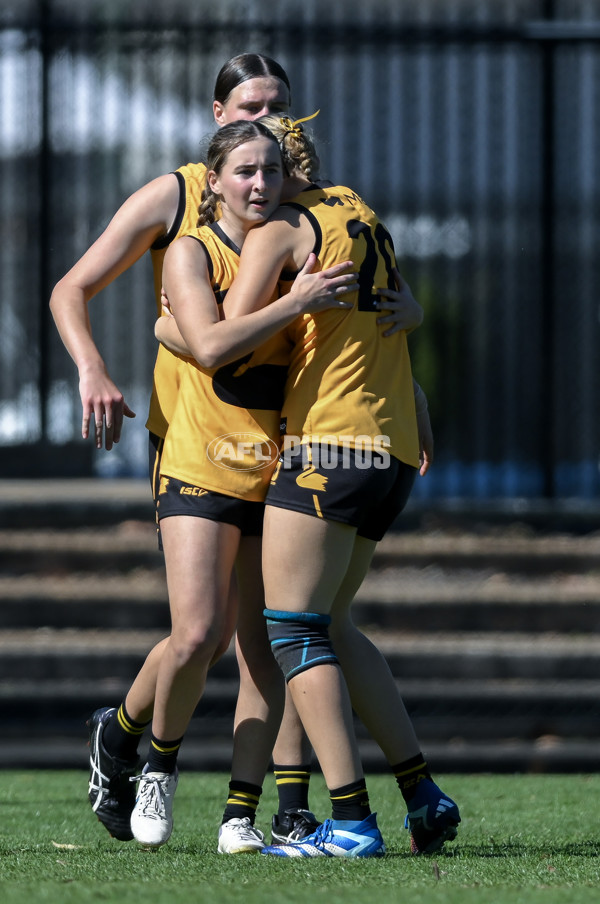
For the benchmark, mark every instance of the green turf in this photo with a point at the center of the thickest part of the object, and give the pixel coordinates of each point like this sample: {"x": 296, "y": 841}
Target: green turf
{"x": 523, "y": 840}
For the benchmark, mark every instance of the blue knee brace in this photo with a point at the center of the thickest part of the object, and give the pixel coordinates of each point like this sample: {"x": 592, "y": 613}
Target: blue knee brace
{"x": 299, "y": 640}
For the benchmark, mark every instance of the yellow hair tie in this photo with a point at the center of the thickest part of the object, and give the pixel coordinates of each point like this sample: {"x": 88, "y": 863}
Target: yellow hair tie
{"x": 293, "y": 128}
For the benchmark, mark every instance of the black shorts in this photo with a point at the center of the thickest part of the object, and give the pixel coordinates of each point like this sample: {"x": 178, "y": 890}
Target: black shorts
{"x": 178, "y": 498}
{"x": 155, "y": 447}
{"x": 344, "y": 486}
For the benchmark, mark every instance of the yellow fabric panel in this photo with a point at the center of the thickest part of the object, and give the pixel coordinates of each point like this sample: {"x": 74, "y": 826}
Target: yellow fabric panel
{"x": 224, "y": 432}
{"x": 345, "y": 377}
{"x": 166, "y": 378}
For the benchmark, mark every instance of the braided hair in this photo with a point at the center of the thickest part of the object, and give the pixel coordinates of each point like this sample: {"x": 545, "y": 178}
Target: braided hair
{"x": 297, "y": 147}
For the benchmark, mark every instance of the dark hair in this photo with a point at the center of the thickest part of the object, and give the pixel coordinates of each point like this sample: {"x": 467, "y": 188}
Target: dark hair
{"x": 223, "y": 142}
{"x": 243, "y": 67}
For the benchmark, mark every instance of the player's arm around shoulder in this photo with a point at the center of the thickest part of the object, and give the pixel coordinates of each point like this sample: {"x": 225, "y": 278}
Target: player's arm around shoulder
{"x": 286, "y": 241}
{"x": 266, "y": 251}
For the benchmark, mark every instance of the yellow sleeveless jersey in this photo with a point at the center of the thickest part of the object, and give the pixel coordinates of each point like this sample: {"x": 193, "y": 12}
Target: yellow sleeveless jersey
{"x": 191, "y": 180}
{"x": 345, "y": 378}
{"x": 224, "y": 433}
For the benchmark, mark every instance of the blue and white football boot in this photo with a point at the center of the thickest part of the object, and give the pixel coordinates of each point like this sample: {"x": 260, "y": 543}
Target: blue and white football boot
{"x": 432, "y": 818}
{"x": 336, "y": 838}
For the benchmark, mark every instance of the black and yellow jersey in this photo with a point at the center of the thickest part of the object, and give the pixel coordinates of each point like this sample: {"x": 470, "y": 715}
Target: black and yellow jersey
{"x": 345, "y": 378}
{"x": 191, "y": 178}
{"x": 224, "y": 433}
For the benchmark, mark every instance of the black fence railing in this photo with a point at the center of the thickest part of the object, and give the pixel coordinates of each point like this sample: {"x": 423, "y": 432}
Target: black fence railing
{"x": 476, "y": 139}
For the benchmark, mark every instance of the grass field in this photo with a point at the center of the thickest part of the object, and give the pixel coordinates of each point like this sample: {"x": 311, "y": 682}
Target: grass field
{"x": 523, "y": 840}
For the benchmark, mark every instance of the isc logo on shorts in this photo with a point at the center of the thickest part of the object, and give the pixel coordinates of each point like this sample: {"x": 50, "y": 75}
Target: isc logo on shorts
{"x": 192, "y": 491}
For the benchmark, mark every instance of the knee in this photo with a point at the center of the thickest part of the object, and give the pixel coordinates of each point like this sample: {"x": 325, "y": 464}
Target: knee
{"x": 196, "y": 644}
{"x": 220, "y": 650}
{"x": 299, "y": 640}
{"x": 222, "y": 644}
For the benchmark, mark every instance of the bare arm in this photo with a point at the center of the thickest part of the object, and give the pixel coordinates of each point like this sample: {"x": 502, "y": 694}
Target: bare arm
{"x": 424, "y": 429}
{"x": 199, "y": 330}
{"x": 144, "y": 217}
{"x": 168, "y": 333}
{"x": 285, "y": 240}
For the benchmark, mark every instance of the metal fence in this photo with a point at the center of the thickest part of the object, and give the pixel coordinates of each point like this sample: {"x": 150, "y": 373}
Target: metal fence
{"x": 472, "y": 127}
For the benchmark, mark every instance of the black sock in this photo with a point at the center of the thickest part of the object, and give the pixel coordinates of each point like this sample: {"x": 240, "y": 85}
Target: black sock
{"x": 242, "y": 801}
{"x": 409, "y": 773}
{"x": 163, "y": 755}
{"x": 121, "y": 734}
{"x": 292, "y": 787}
{"x": 350, "y": 801}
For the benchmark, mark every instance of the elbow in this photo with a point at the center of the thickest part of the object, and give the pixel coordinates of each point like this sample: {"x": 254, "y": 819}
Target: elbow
{"x": 209, "y": 354}
{"x": 206, "y": 360}
{"x": 211, "y": 346}
{"x": 57, "y": 304}
{"x": 211, "y": 357}
{"x": 53, "y": 303}
{"x": 68, "y": 294}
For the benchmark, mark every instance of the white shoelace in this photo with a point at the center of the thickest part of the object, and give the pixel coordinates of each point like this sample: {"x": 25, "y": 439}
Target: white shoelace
{"x": 151, "y": 795}
{"x": 246, "y": 831}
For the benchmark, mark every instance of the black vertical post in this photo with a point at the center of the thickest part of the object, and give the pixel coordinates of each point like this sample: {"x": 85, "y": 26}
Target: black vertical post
{"x": 547, "y": 259}
{"x": 44, "y": 224}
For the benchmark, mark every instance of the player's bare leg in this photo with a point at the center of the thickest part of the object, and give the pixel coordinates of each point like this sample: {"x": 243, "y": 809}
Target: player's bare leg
{"x": 199, "y": 556}
{"x": 432, "y": 816}
{"x": 258, "y": 711}
{"x": 304, "y": 563}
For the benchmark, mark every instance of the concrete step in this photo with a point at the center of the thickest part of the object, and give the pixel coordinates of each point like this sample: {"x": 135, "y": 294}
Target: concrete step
{"x": 132, "y": 545}
{"x": 491, "y": 550}
{"x": 543, "y": 755}
{"x": 77, "y": 503}
{"x": 443, "y": 712}
{"x": 73, "y": 503}
{"x": 50, "y": 654}
{"x": 394, "y": 599}
{"x": 120, "y": 548}
{"x": 488, "y": 616}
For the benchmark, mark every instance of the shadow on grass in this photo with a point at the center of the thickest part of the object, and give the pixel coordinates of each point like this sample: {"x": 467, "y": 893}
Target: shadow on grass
{"x": 519, "y": 850}
{"x": 503, "y": 850}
